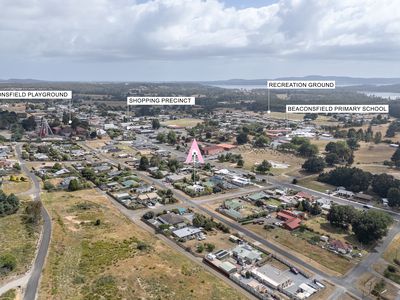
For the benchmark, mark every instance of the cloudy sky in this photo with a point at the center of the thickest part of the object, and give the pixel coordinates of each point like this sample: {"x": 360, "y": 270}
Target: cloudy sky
{"x": 163, "y": 40}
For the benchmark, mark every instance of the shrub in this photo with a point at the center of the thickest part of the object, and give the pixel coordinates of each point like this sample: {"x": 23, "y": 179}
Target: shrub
{"x": 8, "y": 262}
{"x": 392, "y": 269}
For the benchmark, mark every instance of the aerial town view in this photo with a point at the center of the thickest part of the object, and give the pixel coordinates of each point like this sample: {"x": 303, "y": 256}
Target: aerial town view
{"x": 133, "y": 165}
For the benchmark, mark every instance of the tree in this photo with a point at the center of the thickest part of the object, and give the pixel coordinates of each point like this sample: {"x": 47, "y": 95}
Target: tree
{"x": 353, "y": 179}
{"x": 144, "y": 163}
{"x": 17, "y": 167}
{"x": 9, "y": 204}
{"x": 331, "y": 159}
{"x": 341, "y": 149}
{"x": 75, "y": 123}
{"x": 200, "y": 248}
{"x": 393, "y": 196}
{"x": 148, "y": 215}
{"x": 341, "y": 215}
{"x": 371, "y": 225}
{"x": 261, "y": 142}
{"x": 396, "y": 156}
{"x": 88, "y": 173}
{"x": 198, "y": 220}
{"x": 56, "y": 167}
{"x": 155, "y": 123}
{"x": 33, "y": 213}
{"x": 264, "y": 166}
{"x": 382, "y": 183}
{"x": 155, "y": 161}
{"x": 161, "y": 137}
{"x": 73, "y": 185}
{"x": 48, "y": 186}
{"x": 93, "y": 134}
{"x": 240, "y": 163}
{"x": 210, "y": 247}
{"x": 171, "y": 137}
{"x": 315, "y": 209}
{"x": 377, "y": 137}
{"x": 65, "y": 118}
{"x": 314, "y": 164}
{"x": 174, "y": 164}
{"x": 307, "y": 150}
{"x": 29, "y": 124}
{"x": 353, "y": 143}
{"x": 242, "y": 138}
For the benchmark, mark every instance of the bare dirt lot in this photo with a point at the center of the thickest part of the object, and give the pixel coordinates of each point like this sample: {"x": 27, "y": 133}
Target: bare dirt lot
{"x": 112, "y": 258}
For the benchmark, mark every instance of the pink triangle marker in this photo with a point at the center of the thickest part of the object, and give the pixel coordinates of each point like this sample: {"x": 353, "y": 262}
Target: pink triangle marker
{"x": 194, "y": 154}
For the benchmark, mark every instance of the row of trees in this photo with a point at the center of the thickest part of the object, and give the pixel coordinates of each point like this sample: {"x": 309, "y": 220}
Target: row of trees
{"x": 393, "y": 128}
{"x": 357, "y": 180}
{"x": 396, "y": 158}
{"x": 170, "y": 137}
{"x": 353, "y": 179}
{"x": 368, "y": 226}
{"x": 359, "y": 135}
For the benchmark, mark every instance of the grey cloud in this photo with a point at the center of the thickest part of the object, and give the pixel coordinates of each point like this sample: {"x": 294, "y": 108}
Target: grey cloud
{"x": 181, "y": 29}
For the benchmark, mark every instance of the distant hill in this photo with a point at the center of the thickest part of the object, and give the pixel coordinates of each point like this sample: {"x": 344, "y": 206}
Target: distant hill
{"x": 343, "y": 81}
{"x": 340, "y": 80}
{"x": 14, "y": 80}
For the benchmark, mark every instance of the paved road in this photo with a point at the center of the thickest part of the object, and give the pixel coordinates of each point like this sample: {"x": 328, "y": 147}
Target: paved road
{"x": 136, "y": 218}
{"x": 236, "y": 226}
{"x": 31, "y": 289}
{"x": 345, "y": 283}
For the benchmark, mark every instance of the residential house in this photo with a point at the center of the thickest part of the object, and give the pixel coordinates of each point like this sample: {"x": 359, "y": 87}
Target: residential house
{"x": 363, "y": 197}
{"x": 291, "y": 221}
{"x": 187, "y": 233}
{"x": 173, "y": 220}
{"x": 245, "y": 254}
{"x": 271, "y": 276}
{"x": 339, "y": 246}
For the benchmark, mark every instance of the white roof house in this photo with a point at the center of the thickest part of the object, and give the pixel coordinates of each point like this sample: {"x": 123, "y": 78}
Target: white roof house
{"x": 186, "y": 232}
{"x": 272, "y": 277}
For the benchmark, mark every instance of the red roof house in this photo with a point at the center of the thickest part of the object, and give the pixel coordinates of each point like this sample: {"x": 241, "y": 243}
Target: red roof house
{"x": 292, "y": 224}
{"x": 291, "y": 221}
{"x": 212, "y": 150}
{"x": 305, "y": 196}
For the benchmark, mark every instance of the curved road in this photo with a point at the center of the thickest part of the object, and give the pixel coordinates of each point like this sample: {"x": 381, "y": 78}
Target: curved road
{"x": 36, "y": 271}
